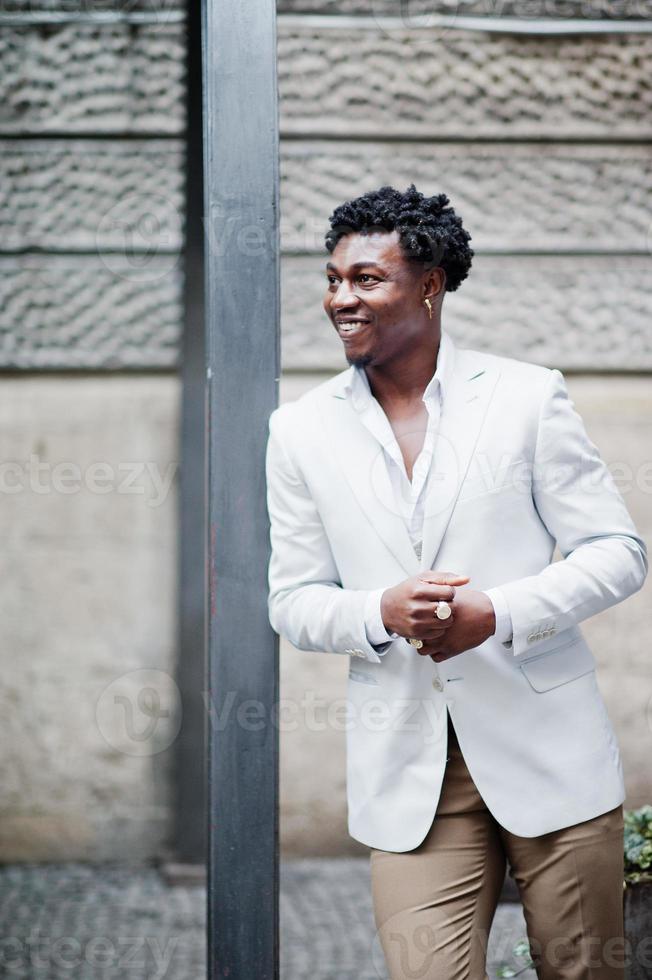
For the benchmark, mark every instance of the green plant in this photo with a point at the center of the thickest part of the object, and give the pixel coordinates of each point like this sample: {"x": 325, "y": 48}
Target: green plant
{"x": 638, "y": 844}
{"x": 521, "y": 951}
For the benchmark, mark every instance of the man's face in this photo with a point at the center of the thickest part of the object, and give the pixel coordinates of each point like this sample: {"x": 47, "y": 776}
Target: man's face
{"x": 374, "y": 298}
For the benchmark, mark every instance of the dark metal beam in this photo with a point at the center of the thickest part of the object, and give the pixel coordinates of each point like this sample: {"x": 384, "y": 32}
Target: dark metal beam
{"x": 189, "y": 782}
{"x": 241, "y": 173}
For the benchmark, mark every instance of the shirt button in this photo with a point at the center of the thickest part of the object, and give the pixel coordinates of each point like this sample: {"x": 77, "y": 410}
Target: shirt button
{"x": 437, "y": 684}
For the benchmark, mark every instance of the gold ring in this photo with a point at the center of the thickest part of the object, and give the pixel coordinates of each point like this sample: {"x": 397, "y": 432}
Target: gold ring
{"x": 417, "y": 644}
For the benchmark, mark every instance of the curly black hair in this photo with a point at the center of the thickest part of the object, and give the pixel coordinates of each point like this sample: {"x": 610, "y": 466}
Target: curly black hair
{"x": 430, "y": 233}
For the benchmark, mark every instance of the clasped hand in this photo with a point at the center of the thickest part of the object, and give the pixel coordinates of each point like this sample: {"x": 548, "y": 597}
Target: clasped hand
{"x": 409, "y": 610}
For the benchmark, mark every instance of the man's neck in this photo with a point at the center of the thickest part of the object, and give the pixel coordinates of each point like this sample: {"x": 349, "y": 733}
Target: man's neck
{"x": 403, "y": 380}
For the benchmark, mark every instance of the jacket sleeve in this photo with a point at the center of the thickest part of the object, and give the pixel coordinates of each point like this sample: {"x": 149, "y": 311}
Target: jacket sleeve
{"x": 306, "y": 601}
{"x": 604, "y": 559}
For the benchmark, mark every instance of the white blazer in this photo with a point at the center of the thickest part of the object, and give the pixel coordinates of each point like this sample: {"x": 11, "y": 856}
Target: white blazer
{"x": 514, "y": 473}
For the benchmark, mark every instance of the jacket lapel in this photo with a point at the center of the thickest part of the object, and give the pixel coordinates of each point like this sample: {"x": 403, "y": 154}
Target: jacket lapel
{"x": 360, "y": 457}
{"x": 471, "y": 385}
{"x": 473, "y": 382}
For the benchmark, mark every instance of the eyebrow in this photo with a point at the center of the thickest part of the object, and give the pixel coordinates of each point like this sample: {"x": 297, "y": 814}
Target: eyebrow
{"x": 358, "y": 265}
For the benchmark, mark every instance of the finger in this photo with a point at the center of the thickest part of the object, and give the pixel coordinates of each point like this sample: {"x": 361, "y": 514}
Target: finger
{"x": 436, "y": 576}
{"x": 430, "y": 628}
{"x": 443, "y": 578}
{"x": 434, "y": 593}
{"x": 432, "y": 648}
{"x": 430, "y": 634}
{"x": 434, "y": 651}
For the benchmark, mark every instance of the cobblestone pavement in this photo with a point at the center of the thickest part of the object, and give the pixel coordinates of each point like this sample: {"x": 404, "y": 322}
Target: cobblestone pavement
{"x": 116, "y": 921}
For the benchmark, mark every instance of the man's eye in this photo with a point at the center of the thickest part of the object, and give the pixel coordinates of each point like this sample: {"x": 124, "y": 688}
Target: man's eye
{"x": 331, "y": 280}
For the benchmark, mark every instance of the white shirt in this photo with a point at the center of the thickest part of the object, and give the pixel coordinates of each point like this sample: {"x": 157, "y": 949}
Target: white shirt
{"x": 410, "y": 496}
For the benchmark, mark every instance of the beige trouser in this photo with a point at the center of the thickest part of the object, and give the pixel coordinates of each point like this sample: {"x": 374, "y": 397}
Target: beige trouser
{"x": 434, "y": 905}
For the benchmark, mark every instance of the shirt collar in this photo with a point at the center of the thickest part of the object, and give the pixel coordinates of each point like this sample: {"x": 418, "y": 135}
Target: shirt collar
{"x": 358, "y": 389}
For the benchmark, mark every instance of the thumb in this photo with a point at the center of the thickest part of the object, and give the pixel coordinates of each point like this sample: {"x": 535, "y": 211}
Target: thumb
{"x": 444, "y": 578}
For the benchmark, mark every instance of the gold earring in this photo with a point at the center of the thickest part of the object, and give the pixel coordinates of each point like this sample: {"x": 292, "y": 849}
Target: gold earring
{"x": 429, "y": 305}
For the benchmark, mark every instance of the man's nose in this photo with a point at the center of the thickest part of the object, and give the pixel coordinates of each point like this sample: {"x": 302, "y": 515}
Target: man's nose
{"x": 343, "y": 297}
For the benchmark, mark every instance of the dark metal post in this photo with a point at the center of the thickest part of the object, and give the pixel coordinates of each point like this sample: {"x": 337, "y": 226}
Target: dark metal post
{"x": 190, "y": 789}
{"x": 242, "y": 333}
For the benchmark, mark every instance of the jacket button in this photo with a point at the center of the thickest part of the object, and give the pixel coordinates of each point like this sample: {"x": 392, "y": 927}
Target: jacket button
{"x": 437, "y": 684}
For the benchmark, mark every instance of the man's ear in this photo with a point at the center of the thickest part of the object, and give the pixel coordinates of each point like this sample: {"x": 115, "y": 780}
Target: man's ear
{"x": 434, "y": 283}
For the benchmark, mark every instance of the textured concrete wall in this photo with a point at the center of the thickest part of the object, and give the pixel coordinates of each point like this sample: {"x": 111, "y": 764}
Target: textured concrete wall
{"x": 616, "y": 411}
{"x": 542, "y": 144}
{"x": 87, "y": 616}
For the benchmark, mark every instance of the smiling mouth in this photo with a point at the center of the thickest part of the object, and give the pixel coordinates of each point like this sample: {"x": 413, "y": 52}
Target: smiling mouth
{"x": 348, "y": 328}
